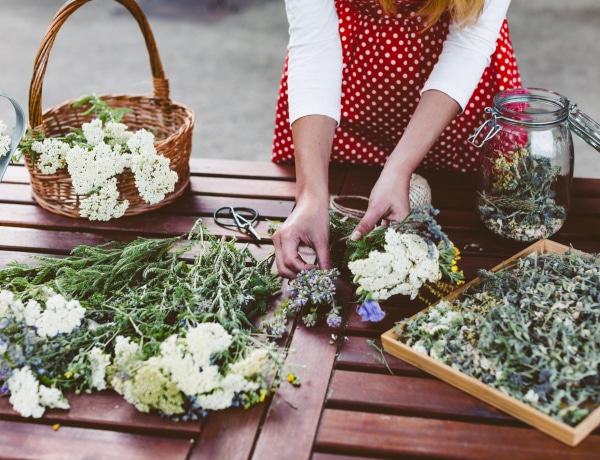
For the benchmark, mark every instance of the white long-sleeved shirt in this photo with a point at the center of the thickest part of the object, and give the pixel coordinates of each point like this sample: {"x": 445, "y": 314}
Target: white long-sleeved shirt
{"x": 315, "y": 57}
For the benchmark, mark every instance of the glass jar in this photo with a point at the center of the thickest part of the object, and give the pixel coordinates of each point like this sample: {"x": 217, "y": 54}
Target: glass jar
{"x": 526, "y": 162}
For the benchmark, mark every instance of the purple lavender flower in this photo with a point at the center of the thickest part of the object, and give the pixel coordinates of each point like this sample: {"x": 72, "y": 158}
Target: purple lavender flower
{"x": 334, "y": 320}
{"x": 370, "y": 311}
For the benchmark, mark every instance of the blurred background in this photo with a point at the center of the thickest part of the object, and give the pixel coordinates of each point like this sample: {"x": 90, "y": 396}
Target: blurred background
{"x": 224, "y": 59}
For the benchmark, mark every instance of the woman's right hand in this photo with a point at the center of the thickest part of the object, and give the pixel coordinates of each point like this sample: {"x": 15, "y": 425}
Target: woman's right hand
{"x": 306, "y": 226}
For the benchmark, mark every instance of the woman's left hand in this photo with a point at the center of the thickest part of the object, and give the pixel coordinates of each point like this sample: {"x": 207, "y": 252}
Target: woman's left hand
{"x": 389, "y": 202}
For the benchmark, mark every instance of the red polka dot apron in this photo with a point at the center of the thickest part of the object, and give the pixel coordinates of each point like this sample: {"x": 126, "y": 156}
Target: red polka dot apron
{"x": 386, "y": 62}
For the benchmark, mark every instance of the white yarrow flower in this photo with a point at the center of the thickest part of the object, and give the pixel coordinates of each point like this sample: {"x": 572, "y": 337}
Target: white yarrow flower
{"x": 29, "y": 398}
{"x": 105, "y": 204}
{"x": 58, "y": 317}
{"x": 11, "y": 307}
{"x": 406, "y": 263}
{"x": 52, "y": 155}
{"x": 93, "y": 131}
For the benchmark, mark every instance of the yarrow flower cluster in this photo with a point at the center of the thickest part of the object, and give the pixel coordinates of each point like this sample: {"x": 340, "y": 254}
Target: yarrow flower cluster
{"x": 189, "y": 365}
{"x": 406, "y": 262}
{"x": 25, "y": 327}
{"x": 95, "y": 154}
{"x": 5, "y": 140}
{"x": 398, "y": 260}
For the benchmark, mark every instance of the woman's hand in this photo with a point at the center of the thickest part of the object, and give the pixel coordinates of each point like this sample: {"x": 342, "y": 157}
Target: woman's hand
{"x": 307, "y": 225}
{"x": 388, "y": 202}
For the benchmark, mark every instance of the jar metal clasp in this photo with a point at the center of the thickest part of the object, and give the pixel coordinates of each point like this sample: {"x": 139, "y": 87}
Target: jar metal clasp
{"x": 495, "y": 128}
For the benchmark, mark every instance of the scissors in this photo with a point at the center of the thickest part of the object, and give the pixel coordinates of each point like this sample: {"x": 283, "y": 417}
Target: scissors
{"x": 237, "y": 216}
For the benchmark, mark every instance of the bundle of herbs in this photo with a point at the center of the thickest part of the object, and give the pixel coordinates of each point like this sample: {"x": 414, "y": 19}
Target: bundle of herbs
{"x": 530, "y": 331}
{"x": 401, "y": 259}
{"x": 170, "y": 336}
{"x": 521, "y": 201}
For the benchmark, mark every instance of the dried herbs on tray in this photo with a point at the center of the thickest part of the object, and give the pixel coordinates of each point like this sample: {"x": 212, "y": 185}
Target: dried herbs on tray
{"x": 531, "y": 331}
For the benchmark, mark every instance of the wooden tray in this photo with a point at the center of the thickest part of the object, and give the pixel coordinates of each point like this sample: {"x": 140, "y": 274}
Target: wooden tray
{"x": 543, "y": 422}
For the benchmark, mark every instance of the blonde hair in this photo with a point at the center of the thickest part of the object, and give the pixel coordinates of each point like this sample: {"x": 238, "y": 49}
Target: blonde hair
{"x": 465, "y": 12}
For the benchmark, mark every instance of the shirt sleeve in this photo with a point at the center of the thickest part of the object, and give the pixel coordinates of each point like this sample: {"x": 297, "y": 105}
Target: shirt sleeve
{"x": 314, "y": 59}
{"x": 466, "y": 53}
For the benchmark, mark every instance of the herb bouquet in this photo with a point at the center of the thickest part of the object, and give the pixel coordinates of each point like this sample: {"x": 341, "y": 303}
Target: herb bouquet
{"x": 170, "y": 336}
{"x": 402, "y": 259}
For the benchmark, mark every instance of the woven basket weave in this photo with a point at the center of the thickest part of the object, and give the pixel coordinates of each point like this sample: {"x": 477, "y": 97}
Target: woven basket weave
{"x": 172, "y": 124}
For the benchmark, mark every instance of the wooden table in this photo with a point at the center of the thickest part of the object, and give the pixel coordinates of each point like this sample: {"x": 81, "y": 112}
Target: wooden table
{"x": 349, "y": 405}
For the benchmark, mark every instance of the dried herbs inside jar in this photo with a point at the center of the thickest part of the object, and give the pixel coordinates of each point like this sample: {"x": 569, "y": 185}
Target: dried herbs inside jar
{"x": 521, "y": 197}
{"x": 531, "y": 332}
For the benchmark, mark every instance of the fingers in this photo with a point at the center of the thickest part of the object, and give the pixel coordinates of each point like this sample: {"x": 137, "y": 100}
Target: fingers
{"x": 384, "y": 208}
{"x": 287, "y": 258}
{"x": 366, "y": 224}
{"x": 287, "y": 253}
{"x": 324, "y": 260}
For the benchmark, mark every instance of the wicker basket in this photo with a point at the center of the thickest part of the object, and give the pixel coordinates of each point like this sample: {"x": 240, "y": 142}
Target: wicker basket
{"x": 172, "y": 123}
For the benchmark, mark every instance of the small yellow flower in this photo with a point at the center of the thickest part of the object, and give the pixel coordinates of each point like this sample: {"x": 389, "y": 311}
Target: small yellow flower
{"x": 454, "y": 269}
{"x": 293, "y": 379}
{"x": 55, "y": 427}
{"x": 263, "y": 395}
{"x": 68, "y": 375}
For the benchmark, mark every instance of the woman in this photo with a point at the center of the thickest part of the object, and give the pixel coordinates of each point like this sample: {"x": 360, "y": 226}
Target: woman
{"x": 395, "y": 84}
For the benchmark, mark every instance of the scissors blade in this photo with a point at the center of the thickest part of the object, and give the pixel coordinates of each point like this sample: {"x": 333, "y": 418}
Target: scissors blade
{"x": 254, "y": 233}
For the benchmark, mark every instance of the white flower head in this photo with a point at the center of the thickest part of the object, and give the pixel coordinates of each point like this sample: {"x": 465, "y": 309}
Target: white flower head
{"x": 93, "y": 132}
{"x": 52, "y": 154}
{"x": 153, "y": 176}
{"x": 11, "y": 307}
{"x": 406, "y": 263}
{"x": 29, "y": 398}
{"x": 92, "y": 169}
{"x": 58, "y": 317}
{"x": 105, "y": 204}
{"x": 117, "y": 133}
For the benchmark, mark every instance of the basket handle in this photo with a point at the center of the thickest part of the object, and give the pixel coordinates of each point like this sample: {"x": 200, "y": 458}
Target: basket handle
{"x": 160, "y": 83}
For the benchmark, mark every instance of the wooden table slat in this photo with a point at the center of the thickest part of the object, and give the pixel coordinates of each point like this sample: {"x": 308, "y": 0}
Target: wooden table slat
{"x": 357, "y": 355}
{"x": 406, "y": 395}
{"x": 229, "y": 434}
{"x": 396, "y": 436}
{"x": 30, "y": 441}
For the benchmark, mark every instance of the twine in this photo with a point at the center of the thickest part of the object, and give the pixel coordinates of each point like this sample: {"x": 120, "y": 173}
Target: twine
{"x": 419, "y": 194}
